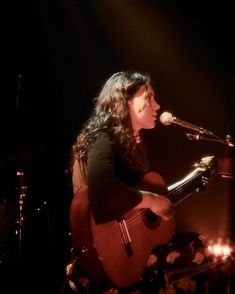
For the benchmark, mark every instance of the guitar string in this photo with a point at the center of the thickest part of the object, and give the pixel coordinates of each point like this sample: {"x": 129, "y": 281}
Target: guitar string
{"x": 136, "y": 228}
{"x": 176, "y": 195}
{"x": 133, "y": 220}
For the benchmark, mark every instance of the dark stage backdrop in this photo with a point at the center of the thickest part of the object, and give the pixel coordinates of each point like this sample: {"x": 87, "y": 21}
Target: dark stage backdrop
{"x": 58, "y": 54}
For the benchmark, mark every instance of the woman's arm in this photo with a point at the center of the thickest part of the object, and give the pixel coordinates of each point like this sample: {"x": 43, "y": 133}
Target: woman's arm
{"x": 108, "y": 196}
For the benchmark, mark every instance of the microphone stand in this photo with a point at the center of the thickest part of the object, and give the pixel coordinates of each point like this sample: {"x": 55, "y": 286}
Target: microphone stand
{"x": 229, "y": 141}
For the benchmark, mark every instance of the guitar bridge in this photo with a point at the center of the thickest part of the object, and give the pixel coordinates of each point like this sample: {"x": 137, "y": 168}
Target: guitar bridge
{"x": 125, "y": 236}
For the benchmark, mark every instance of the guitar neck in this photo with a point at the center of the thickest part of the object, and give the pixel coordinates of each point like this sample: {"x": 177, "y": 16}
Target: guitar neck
{"x": 185, "y": 187}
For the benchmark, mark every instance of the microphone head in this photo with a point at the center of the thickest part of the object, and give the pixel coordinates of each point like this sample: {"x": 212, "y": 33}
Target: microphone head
{"x": 166, "y": 118}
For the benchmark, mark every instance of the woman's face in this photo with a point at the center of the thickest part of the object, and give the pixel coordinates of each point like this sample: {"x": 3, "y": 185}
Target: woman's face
{"x": 143, "y": 109}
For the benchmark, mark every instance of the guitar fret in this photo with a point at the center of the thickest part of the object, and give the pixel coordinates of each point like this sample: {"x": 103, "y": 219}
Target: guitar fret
{"x": 182, "y": 191}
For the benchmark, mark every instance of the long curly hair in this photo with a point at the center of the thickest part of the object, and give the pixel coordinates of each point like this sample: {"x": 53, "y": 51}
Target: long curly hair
{"x": 111, "y": 115}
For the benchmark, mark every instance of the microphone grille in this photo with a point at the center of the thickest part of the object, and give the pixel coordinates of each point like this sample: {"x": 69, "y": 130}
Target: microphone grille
{"x": 166, "y": 118}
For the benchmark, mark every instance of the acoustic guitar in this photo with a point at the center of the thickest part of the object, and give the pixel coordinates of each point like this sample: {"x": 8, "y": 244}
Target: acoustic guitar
{"x": 115, "y": 253}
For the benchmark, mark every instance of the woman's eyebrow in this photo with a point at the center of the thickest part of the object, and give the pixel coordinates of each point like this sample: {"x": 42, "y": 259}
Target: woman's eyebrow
{"x": 149, "y": 95}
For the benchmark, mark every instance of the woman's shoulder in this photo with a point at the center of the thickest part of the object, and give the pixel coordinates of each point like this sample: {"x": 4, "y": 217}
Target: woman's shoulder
{"x": 103, "y": 136}
{"x": 103, "y": 141}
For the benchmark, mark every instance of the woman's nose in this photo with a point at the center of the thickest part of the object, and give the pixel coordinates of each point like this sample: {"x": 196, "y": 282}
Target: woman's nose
{"x": 155, "y": 105}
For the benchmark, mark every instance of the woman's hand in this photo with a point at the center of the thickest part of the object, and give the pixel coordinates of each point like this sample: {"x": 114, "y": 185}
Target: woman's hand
{"x": 158, "y": 204}
{"x": 162, "y": 206}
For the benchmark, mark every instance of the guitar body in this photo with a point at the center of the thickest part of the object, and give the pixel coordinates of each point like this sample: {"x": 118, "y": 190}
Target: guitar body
{"x": 83, "y": 242}
{"x": 125, "y": 263}
{"x": 115, "y": 253}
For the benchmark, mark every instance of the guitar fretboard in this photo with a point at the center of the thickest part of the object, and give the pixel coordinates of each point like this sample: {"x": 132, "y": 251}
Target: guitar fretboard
{"x": 183, "y": 190}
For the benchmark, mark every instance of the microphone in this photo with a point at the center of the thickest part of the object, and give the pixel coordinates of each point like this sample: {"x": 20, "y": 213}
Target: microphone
{"x": 166, "y": 118}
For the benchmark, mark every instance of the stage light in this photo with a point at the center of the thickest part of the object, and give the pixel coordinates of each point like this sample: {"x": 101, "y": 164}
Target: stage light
{"x": 219, "y": 250}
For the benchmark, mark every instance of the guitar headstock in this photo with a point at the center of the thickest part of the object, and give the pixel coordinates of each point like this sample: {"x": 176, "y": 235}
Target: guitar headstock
{"x": 195, "y": 181}
{"x": 208, "y": 165}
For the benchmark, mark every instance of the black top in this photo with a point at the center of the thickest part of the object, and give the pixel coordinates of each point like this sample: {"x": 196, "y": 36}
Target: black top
{"x": 111, "y": 182}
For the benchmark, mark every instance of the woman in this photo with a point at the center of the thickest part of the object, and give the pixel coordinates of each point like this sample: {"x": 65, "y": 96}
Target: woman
{"x": 109, "y": 163}
{"x": 107, "y": 155}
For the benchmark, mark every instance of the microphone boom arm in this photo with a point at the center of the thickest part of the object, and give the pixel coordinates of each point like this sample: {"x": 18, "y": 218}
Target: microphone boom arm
{"x": 228, "y": 141}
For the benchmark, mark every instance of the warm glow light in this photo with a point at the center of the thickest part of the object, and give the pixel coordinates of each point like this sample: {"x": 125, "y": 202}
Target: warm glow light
{"x": 227, "y": 250}
{"x": 220, "y": 250}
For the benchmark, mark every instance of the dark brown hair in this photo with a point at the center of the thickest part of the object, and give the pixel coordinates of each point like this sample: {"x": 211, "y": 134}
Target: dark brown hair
{"x": 111, "y": 115}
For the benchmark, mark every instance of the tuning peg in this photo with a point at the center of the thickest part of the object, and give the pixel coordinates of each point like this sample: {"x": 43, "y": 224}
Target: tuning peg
{"x": 205, "y": 180}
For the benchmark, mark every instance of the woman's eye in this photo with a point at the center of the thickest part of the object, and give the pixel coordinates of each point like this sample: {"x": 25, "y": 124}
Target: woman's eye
{"x": 151, "y": 98}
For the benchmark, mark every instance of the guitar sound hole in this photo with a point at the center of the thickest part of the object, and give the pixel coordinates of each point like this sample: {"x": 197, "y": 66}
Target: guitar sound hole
{"x": 151, "y": 220}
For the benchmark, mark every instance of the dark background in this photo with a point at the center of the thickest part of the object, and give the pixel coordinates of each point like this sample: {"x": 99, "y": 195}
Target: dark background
{"x": 56, "y": 55}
